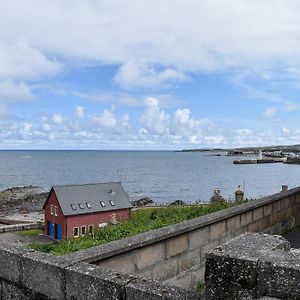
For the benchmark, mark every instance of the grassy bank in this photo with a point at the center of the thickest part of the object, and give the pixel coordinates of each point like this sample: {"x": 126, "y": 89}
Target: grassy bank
{"x": 142, "y": 220}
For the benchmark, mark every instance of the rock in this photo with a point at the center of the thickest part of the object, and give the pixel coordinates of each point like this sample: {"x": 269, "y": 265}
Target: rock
{"x": 142, "y": 202}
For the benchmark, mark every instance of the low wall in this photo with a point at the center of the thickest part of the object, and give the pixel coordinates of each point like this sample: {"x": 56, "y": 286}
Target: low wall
{"x": 27, "y": 274}
{"x": 176, "y": 254}
{"x": 253, "y": 266}
{"x": 19, "y": 227}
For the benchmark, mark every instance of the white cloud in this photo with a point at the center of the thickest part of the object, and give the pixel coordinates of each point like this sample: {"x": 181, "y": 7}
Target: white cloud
{"x": 153, "y": 119}
{"x": 19, "y": 61}
{"x": 132, "y": 75}
{"x": 57, "y": 118}
{"x": 209, "y": 36}
{"x": 105, "y": 119}
{"x": 79, "y": 111}
{"x": 12, "y": 91}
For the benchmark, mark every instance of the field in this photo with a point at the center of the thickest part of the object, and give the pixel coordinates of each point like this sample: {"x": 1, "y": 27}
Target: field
{"x": 142, "y": 220}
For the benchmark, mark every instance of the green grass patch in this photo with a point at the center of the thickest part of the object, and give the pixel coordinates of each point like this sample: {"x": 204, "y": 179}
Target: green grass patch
{"x": 30, "y": 232}
{"x": 142, "y": 220}
{"x": 200, "y": 286}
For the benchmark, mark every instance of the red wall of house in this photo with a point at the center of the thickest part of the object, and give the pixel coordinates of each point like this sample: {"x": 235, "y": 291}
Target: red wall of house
{"x": 94, "y": 219}
{"x": 59, "y": 219}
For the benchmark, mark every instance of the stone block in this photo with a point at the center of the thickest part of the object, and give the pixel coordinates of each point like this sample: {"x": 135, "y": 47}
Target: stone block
{"x": 284, "y": 203}
{"x": 150, "y": 255}
{"x": 258, "y": 214}
{"x": 10, "y": 260}
{"x": 246, "y": 218}
{"x": 279, "y": 274}
{"x": 44, "y": 274}
{"x": 199, "y": 237}
{"x": 189, "y": 259}
{"x": 254, "y": 227}
{"x": 206, "y": 248}
{"x": 150, "y": 290}
{"x": 182, "y": 280}
{"x": 267, "y": 210}
{"x": 176, "y": 245}
{"x": 217, "y": 230}
{"x": 124, "y": 263}
{"x": 231, "y": 269}
{"x": 166, "y": 270}
{"x": 14, "y": 292}
{"x": 276, "y": 207}
{"x": 85, "y": 281}
{"x": 233, "y": 223}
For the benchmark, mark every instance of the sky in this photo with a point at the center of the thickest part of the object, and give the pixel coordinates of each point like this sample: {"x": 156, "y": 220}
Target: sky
{"x": 149, "y": 75}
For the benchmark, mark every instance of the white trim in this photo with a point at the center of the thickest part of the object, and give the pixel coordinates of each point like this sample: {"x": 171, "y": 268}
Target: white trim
{"x": 83, "y": 234}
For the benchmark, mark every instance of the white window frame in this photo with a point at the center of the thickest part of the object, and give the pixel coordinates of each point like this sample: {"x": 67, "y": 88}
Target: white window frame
{"x": 55, "y": 210}
{"x": 51, "y": 209}
{"x": 91, "y": 231}
{"x": 83, "y": 227}
{"x": 76, "y": 227}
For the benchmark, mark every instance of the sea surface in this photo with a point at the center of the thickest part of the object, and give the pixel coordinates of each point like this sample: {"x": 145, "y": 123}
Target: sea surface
{"x": 161, "y": 175}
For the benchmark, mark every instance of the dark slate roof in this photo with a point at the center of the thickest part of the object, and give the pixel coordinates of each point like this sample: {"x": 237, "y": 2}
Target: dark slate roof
{"x": 90, "y": 198}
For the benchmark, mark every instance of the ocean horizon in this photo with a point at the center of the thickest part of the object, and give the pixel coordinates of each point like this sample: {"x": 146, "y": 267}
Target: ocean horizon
{"x": 162, "y": 175}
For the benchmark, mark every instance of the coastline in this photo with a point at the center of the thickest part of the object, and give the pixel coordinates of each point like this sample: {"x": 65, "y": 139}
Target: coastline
{"x": 23, "y": 203}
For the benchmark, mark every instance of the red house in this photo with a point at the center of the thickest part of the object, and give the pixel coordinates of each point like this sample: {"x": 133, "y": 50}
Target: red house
{"x": 77, "y": 210}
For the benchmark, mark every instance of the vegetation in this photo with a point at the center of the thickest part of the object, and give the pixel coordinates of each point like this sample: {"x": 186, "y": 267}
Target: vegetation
{"x": 200, "y": 286}
{"x": 142, "y": 220}
{"x": 30, "y": 232}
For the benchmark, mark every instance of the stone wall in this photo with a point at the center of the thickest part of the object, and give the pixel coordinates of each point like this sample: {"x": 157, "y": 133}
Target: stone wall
{"x": 176, "y": 254}
{"x": 26, "y": 274}
{"x": 253, "y": 266}
{"x": 19, "y": 227}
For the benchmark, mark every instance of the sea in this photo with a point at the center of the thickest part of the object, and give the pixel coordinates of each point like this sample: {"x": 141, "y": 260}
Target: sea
{"x": 163, "y": 176}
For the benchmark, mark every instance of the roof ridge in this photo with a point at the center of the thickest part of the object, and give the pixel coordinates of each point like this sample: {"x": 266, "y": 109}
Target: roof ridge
{"x": 83, "y": 184}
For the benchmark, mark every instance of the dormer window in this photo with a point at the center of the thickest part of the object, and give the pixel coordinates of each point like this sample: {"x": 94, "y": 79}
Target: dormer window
{"x": 88, "y": 205}
{"x": 73, "y": 206}
{"x": 112, "y": 203}
{"x": 102, "y": 204}
{"x": 81, "y": 205}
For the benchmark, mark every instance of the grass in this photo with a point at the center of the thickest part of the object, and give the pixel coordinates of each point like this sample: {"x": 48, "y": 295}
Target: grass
{"x": 30, "y": 232}
{"x": 200, "y": 286}
{"x": 141, "y": 221}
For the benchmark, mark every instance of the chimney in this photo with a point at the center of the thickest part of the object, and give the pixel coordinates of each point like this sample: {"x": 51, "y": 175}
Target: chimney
{"x": 284, "y": 188}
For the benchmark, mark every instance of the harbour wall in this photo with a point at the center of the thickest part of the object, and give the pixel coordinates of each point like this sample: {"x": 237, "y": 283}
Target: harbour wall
{"x": 175, "y": 255}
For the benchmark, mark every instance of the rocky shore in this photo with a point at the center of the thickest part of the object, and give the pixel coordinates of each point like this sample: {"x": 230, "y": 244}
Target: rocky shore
{"x": 22, "y": 200}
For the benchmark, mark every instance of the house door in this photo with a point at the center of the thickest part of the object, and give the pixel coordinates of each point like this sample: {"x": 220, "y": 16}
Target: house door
{"x": 50, "y": 228}
{"x": 58, "y": 232}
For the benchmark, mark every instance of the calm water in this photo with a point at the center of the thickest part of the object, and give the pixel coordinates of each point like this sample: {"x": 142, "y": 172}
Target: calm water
{"x": 162, "y": 175}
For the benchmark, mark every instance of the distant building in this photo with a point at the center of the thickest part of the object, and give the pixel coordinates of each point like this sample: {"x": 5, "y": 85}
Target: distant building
{"x": 239, "y": 195}
{"x": 216, "y": 197}
{"x": 78, "y": 210}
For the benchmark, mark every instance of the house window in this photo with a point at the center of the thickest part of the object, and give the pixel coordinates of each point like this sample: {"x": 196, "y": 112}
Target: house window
{"x": 81, "y": 205}
{"x": 102, "y": 203}
{"x": 112, "y": 203}
{"x": 73, "y": 207}
{"x": 51, "y": 209}
{"x": 76, "y": 231}
{"x": 88, "y": 205}
{"x": 83, "y": 230}
{"x": 91, "y": 229}
{"x": 55, "y": 210}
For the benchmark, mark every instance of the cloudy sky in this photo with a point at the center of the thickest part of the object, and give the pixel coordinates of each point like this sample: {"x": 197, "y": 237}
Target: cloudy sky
{"x": 159, "y": 74}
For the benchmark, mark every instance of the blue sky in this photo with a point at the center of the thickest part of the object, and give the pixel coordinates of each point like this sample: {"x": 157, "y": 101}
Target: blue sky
{"x": 139, "y": 75}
